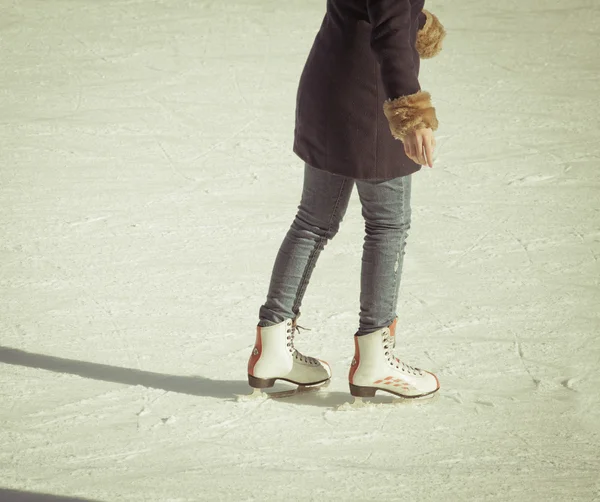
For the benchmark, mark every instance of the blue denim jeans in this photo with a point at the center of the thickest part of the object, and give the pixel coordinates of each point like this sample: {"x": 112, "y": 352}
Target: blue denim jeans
{"x": 386, "y": 211}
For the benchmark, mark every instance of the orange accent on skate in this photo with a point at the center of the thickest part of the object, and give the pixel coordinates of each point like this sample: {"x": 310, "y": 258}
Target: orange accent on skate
{"x": 393, "y": 328}
{"x": 378, "y": 381}
{"x": 389, "y": 378}
{"x": 355, "y": 362}
{"x": 255, "y": 357}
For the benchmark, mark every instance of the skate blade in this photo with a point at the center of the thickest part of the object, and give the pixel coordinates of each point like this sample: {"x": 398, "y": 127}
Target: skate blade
{"x": 386, "y": 400}
{"x": 301, "y": 389}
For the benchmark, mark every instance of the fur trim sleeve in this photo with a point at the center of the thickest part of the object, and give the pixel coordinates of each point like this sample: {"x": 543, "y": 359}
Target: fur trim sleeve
{"x": 430, "y": 37}
{"x": 410, "y": 113}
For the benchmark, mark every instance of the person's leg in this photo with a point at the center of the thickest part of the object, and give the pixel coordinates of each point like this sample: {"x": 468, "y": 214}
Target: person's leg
{"x": 387, "y": 213}
{"x": 322, "y": 207}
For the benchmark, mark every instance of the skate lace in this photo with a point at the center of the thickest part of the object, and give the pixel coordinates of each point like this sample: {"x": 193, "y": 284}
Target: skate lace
{"x": 297, "y": 354}
{"x": 388, "y": 344}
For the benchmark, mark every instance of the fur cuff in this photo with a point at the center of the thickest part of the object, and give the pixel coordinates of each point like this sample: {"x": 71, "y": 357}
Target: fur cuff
{"x": 430, "y": 37}
{"x": 409, "y": 113}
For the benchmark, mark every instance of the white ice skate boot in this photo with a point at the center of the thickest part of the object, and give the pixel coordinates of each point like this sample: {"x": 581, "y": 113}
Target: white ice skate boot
{"x": 275, "y": 357}
{"x": 375, "y": 367}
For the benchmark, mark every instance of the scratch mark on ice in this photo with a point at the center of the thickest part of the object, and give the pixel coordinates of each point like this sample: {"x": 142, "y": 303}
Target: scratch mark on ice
{"x": 520, "y": 355}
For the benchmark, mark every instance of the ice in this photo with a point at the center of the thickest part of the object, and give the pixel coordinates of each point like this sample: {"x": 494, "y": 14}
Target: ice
{"x": 147, "y": 180}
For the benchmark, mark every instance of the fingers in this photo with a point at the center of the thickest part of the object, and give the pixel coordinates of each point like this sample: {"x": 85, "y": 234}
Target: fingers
{"x": 414, "y": 150}
{"x": 410, "y": 149}
{"x": 427, "y": 145}
{"x": 419, "y": 147}
{"x": 419, "y": 150}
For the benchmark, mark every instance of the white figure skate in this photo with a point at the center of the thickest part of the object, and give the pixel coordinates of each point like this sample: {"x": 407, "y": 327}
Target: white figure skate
{"x": 274, "y": 357}
{"x": 375, "y": 367}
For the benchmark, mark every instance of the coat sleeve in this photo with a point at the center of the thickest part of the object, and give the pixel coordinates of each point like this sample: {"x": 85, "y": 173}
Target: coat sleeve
{"x": 390, "y": 41}
{"x": 407, "y": 107}
{"x": 422, "y": 19}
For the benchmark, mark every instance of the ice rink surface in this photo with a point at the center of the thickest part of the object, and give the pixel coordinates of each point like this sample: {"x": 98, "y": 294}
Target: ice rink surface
{"x": 147, "y": 180}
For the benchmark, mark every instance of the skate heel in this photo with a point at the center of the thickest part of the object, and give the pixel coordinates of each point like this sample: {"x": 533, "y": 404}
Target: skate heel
{"x": 260, "y": 383}
{"x": 357, "y": 391}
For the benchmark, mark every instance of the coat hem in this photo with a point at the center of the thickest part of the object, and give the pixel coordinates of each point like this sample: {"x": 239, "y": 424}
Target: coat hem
{"x": 313, "y": 162}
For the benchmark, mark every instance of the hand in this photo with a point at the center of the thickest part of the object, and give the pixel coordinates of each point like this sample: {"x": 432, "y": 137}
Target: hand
{"x": 414, "y": 143}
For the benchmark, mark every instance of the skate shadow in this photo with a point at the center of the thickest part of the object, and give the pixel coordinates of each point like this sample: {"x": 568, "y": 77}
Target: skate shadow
{"x": 194, "y": 385}
{"x": 23, "y": 496}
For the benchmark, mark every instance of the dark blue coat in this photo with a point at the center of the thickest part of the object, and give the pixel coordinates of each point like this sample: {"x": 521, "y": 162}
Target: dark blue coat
{"x": 364, "y": 53}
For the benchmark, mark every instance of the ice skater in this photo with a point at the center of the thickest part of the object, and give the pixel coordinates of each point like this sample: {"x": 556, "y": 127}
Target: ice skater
{"x": 361, "y": 118}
